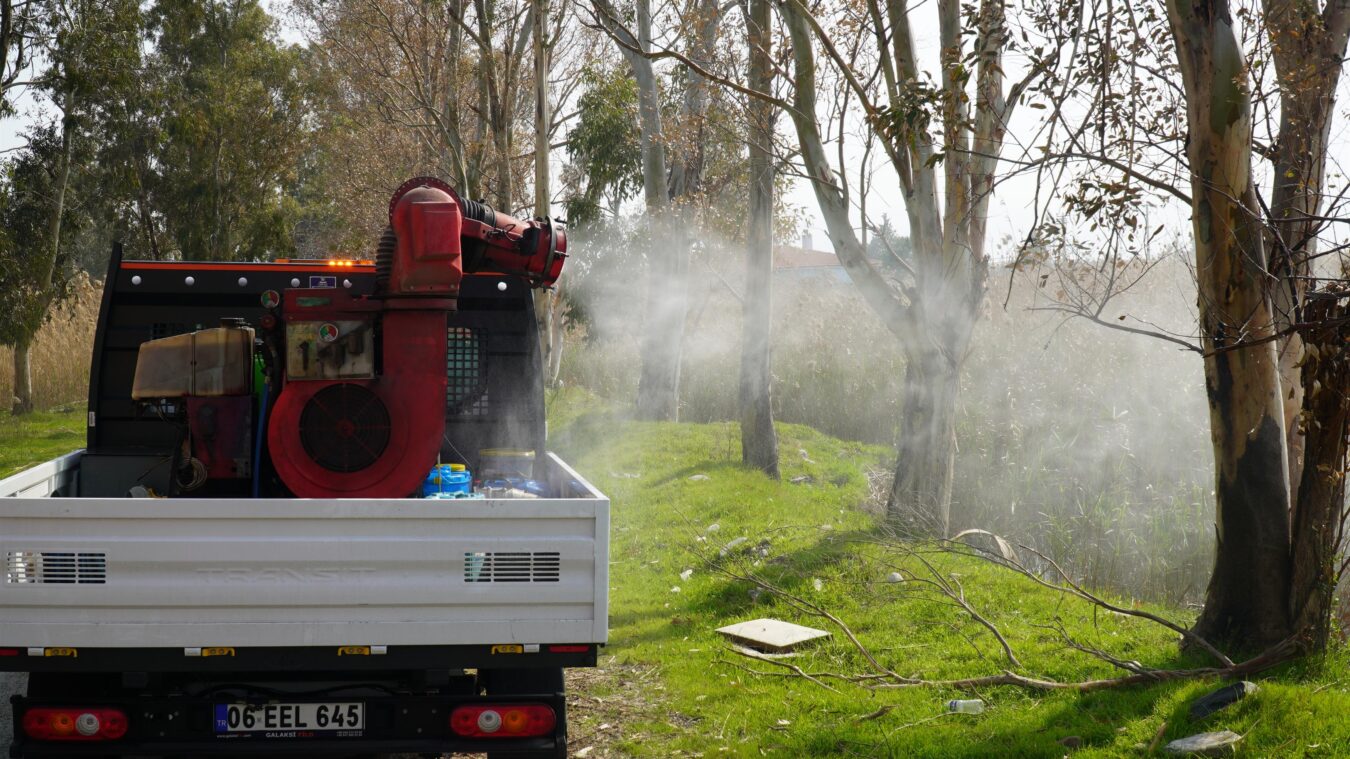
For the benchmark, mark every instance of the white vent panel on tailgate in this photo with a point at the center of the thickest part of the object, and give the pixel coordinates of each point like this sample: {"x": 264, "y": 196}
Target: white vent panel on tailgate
{"x": 519, "y": 566}
{"x": 55, "y": 568}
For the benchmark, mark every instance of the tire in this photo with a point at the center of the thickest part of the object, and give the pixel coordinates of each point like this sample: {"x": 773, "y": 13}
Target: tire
{"x": 511, "y": 682}
{"x": 11, "y": 684}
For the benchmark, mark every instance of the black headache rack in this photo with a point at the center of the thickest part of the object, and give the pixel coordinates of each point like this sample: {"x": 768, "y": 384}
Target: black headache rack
{"x": 186, "y": 725}
{"x": 494, "y": 395}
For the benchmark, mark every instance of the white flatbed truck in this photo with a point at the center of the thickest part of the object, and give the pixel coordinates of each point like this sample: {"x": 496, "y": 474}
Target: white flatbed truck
{"x": 228, "y": 624}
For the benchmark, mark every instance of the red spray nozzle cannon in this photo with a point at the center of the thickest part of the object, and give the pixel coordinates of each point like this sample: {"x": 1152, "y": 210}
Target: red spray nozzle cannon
{"x": 435, "y": 237}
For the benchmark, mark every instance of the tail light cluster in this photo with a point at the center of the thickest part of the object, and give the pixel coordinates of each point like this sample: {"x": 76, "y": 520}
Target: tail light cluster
{"x": 53, "y": 724}
{"x": 503, "y": 721}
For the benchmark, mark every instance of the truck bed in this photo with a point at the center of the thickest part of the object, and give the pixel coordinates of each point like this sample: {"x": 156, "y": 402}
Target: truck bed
{"x": 197, "y": 573}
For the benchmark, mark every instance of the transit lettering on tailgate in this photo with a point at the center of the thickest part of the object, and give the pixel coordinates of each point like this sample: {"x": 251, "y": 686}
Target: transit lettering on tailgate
{"x": 290, "y": 720}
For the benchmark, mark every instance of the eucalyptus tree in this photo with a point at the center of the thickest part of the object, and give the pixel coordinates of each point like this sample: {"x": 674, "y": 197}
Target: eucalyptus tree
{"x": 91, "y": 51}
{"x": 1270, "y": 582}
{"x": 674, "y": 164}
{"x": 668, "y": 259}
{"x": 759, "y": 440}
{"x": 1228, "y": 108}
{"x": 943, "y": 137}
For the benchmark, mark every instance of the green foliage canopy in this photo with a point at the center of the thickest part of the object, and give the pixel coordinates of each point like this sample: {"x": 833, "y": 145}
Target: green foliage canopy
{"x": 604, "y": 147}
{"x": 231, "y": 116}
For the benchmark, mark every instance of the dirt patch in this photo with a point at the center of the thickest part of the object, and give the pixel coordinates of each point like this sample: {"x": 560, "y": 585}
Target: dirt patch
{"x": 604, "y": 704}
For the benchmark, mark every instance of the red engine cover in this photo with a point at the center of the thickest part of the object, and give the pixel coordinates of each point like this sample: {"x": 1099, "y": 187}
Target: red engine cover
{"x": 369, "y": 438}
{"x": 427, "y": 221}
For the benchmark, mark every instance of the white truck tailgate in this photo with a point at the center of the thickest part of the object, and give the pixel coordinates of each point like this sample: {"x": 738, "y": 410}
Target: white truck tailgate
{"x": 138, "y": 573}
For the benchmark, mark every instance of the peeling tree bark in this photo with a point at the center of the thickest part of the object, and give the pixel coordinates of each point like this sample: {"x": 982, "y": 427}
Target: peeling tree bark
{"x": 1246, "y": 601}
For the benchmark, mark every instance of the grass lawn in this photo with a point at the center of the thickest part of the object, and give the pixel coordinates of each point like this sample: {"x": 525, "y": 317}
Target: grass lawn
{"x": 40, "y": 436}
{"x": 816, "y": 540}
{"x": 669, "y": 685}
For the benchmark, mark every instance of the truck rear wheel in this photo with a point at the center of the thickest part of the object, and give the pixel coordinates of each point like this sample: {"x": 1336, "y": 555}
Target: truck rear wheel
{"x": 513, "y": 682}
{"x": 11, "y": 684}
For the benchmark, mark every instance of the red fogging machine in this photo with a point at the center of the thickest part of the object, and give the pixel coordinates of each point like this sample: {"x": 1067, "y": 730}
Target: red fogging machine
{"x": 351, "y": 424}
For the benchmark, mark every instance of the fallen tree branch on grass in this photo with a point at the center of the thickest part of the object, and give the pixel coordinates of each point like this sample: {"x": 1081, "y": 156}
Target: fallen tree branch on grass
{"x": 883, "y": 677}
{"x": 1074, "y": 589}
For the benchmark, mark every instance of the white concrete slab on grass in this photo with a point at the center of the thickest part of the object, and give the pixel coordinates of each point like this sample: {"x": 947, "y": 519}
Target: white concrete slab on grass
{"x": 772, "y": 634}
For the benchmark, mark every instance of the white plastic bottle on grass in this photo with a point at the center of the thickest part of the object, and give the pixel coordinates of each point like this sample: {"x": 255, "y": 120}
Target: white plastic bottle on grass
{"x": 965, "y": 706}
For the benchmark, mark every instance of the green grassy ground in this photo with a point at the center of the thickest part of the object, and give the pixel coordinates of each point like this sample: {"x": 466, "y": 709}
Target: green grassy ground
{"x": 815, "y": 540}
{"x": 681, "y": 691}
{"x": 33, "y": 438}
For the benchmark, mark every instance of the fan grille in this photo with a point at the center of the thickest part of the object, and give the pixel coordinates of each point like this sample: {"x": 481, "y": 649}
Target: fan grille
{"x": 465, "y": 359}
{"x": 344, "y": 428}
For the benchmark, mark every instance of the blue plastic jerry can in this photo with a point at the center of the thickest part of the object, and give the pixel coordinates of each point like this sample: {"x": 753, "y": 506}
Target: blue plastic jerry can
{"x": 448, "y": 479}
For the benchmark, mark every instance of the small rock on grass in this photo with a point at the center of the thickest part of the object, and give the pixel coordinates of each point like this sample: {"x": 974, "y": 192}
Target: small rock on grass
{"x": 1213, "y": 702}
{"x": 1222, "y": 743}
{"x": 699, "y": 478}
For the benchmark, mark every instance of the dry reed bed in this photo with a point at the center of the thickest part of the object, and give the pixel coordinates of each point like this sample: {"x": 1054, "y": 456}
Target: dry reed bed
{"x": 60, "y": 355}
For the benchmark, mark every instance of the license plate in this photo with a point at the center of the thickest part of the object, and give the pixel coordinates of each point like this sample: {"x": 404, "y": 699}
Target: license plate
{"x": 290, "y": 720}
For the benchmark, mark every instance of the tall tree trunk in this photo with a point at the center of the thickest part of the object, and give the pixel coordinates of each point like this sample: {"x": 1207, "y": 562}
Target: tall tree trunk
{"x": 542, "y": 110}
{"x": 545, "y": 306}
{"x": 686, "y": 174}
{"x": 759, "y": 442}
{"x": 23, "y": 377}
{"x": 558, "y": 335}
{"x": 1246, "y": 601}
{"x": 454, "y": 160}
{"x": 497, "y": 113}
{"x": 1319, "y": 517}
{"x": 949, "y": 269}
{"x": 1307, "y": 48}
{"x": 921, "y": 494}
{"x": 663, "y": 330}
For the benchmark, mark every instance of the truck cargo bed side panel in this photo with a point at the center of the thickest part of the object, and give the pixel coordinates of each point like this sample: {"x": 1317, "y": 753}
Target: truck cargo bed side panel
{"x": 136, "y": 573}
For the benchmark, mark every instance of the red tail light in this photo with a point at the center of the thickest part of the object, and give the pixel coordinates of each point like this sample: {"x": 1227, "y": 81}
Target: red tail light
{"x": 47, "y": 724}
{"x": 503, "y": 721}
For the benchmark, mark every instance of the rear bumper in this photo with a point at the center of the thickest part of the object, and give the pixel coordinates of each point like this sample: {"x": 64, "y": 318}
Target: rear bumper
{"x": 184, "y": 726}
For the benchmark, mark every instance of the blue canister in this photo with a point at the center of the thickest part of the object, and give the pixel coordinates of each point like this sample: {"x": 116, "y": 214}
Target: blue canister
{"x": 448, "y": 479}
